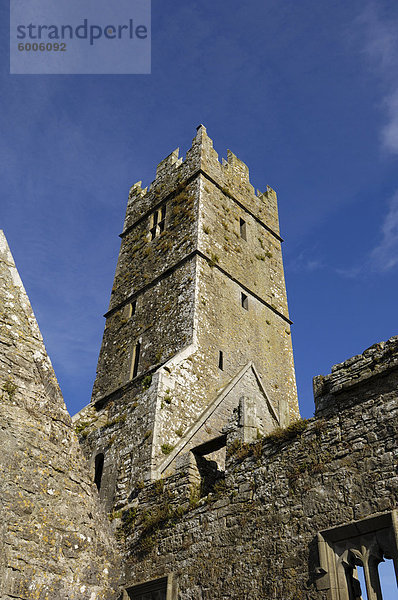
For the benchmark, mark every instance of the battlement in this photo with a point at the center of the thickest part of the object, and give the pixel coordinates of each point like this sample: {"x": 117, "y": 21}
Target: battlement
{"x": 230, "y": 175}
{"x": 171, "y": 161}
{"x": 377, "y": 359}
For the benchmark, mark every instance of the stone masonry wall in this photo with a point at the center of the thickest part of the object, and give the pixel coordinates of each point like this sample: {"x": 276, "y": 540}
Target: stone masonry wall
{"x": 55, "y": 540}
{"x": 255, "y": 536}
{"x": 121, "y": 430}
{"x": 163, "y": 323}
{"x": 256, "y": 260}
{"x": 223, "y": 325}
{"x": 142, "y": 260}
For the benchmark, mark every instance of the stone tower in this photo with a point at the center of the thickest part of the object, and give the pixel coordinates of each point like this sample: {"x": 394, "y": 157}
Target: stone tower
{"x": 197, "y": 326}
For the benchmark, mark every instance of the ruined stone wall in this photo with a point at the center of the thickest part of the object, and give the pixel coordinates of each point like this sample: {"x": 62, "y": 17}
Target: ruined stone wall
{"x": 55, "y": 540}
{"x": 255, "y": 535}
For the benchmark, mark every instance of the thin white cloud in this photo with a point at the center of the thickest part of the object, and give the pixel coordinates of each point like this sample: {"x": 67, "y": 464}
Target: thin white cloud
{"x": 304, "y": 262}
{"x": 350, "y": 272}
{"x": 389, "y": 132}
{"x": 380, "y": 37}
{"x": 380, "y": 44}
{"x": 384, "y": 256}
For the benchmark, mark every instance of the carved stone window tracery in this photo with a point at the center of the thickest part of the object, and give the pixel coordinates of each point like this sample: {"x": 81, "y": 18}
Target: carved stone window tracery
{"x": 362, "y": 544}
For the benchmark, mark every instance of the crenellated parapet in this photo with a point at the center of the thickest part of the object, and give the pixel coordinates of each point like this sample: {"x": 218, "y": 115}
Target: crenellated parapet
{"x": 231, "y": 176}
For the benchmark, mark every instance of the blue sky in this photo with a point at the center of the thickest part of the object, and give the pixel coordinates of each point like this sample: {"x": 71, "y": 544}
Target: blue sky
{"x": 306, "y": 93}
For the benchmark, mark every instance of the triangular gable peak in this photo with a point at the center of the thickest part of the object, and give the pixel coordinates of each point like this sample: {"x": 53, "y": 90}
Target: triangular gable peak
{"x": 245, "y": 392}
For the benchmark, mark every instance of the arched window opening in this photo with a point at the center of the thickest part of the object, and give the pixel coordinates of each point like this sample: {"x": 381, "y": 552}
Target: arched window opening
{"x": 359, "y": 560}
{"x": 362, "y": 582}
{"x": 388, "y": 578}
{"x": 99, "y": 467}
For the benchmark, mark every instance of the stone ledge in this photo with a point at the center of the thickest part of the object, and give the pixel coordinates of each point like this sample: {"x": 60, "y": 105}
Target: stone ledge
{"x": 377, "y": 359}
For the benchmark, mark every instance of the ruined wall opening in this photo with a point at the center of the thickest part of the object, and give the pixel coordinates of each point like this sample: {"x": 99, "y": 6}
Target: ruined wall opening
{"x": 151, "y": 590}
{"x": 99, "y": 468}
{"x": 379, "y": 577}
{"x": 388, "y": 578}
{"x": 210, "y": 460}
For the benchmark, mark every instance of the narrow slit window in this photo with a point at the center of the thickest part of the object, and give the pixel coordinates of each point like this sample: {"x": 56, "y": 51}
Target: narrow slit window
{"x": 99, "y": 467}
{"x": 135, "y": 360}
{"x": 133, "y": 308}
{"x": 129, "y": 309}
{"x": 221, "y": 360}
{"x": 154, "y": 224}
{"x": 242, "y": 228}
{"x": 244, "y": 300}
{"x": 162, "y": 218}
